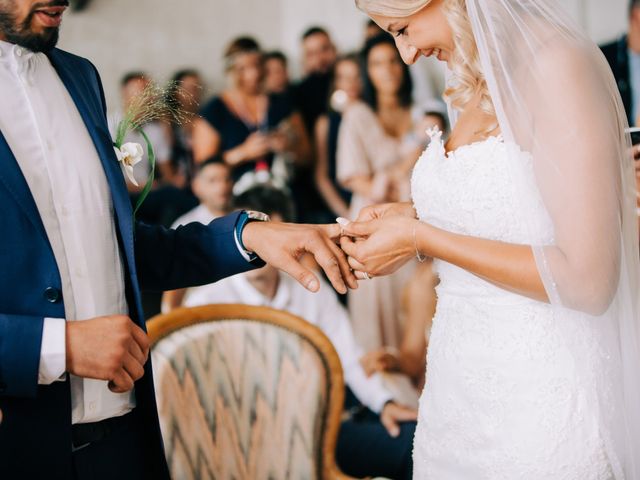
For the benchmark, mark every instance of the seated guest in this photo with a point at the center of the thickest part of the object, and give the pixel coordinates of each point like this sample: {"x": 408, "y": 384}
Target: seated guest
{"x": 368, "y": 445}
{"x": 132, "y": 86}
{"x": 212, "y": 186}
{"x": 276, "y": 78}
{"x": 248, "y": 127}
{"x": 346, "y": 89}
{"x": 410, "y": 358}
{"x": 185, "y": 93}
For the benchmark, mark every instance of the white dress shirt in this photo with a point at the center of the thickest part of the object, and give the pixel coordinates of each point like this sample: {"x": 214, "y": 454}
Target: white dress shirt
{"x": 321, "y": 309}
{"x": 200, "y": 214}
{"x": 59, "y": 161}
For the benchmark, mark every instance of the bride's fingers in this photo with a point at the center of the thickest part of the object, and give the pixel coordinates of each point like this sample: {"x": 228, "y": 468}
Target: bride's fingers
{"x": 349, "y": 246}
{"x": 356, "y": 265}
{"x": 360, "y": 275}
{"x": 343, "y": 263}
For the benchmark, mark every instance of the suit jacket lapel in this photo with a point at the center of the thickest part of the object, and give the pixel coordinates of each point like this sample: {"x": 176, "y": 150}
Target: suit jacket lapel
{"x": 12, "y": 178}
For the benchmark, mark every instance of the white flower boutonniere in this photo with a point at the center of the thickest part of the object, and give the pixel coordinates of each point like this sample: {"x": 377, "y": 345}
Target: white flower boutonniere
{"x": 150, "y": 105}
{"x": 129, "y": 155}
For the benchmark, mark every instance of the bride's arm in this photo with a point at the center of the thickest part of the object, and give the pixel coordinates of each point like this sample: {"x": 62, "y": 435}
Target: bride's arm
{"x": 390, "y": 243}
{"x": 512, "y": 267}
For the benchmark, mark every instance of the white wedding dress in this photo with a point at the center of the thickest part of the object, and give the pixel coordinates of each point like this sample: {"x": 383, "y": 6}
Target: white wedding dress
{"x": 502, "y": 399}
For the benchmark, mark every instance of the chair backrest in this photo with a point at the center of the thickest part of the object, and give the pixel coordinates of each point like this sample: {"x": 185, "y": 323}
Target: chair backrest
{"x": 246, "y": 393}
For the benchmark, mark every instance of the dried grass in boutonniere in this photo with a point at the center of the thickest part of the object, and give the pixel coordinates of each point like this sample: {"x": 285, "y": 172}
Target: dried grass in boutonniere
{"x": 151, "y": 105}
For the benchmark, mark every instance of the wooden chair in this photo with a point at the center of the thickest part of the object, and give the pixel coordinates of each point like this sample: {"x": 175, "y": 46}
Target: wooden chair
{"x": 246, "y": 393}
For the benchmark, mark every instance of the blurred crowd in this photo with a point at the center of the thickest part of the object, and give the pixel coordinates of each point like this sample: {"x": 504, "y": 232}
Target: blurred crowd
{"x": 344, "y": 136}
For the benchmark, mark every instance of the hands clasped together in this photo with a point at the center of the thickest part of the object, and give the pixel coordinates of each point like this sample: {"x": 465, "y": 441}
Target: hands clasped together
{"x": 378, "y": 243}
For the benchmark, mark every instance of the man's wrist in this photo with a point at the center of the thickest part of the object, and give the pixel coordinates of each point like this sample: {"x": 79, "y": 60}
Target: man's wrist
{"x": 243, "y": 239}
{"x": 247, "y": 237}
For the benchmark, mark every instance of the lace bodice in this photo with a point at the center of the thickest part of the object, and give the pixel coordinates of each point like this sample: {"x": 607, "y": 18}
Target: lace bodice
{"x": 502, "y": 398}
{"x": 469, "y": 191}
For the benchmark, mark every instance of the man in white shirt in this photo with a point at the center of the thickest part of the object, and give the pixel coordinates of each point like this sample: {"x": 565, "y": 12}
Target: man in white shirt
{"x": 76, "y": 386}
{"x": 212, "y": 186}
{"x": 374, "y": 441}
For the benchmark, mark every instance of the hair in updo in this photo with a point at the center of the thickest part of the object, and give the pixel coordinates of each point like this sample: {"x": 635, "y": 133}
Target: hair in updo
{"x": 465, "y": 62}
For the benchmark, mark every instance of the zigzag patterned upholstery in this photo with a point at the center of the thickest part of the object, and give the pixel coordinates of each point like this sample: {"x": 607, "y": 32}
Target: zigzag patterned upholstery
{"x": 245, "y": 393}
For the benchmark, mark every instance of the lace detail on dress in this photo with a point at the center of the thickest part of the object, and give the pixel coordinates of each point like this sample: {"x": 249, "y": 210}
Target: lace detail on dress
{"x": 502, "y": 399}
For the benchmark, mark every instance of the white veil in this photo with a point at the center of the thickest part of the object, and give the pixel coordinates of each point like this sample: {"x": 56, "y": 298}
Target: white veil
{"x": 555, "y": 97}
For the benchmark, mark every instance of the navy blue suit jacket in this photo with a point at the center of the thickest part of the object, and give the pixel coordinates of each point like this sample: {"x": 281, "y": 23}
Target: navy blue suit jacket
{"x": 35, "y": 432}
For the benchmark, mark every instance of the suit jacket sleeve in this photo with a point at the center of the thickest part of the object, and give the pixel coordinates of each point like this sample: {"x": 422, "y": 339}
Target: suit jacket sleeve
{"x": 189, "y": 256}
{"x": 20, "y": 340}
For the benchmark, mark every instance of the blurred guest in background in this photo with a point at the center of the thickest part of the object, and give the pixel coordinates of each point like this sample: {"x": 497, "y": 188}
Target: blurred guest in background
{"x": 623, "y": 56}
{"x": 276, "y": 75}
{"x": 132, "y": 85}
{"x": 311, "y": 98}
{"x": 377, "y": 434}
{"x": 248, "y": 127}
{"x": 346, "y": 89}
{"x": 212, "y": 186}
{"x": 185, "y": 93}
{"x": 311, "y": 95}
{"x": 371, "y": 29}
{"x": 377, "y": 148}
{"x": 409, "y": 358}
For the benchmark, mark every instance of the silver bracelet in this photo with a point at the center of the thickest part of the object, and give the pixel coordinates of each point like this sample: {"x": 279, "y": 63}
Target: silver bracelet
{"x": 421, "y": 258}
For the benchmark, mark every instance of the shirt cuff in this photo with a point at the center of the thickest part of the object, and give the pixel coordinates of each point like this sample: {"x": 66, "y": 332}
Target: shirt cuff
{"x": 377, "y": 401}
{"x": 242, "y": 251}
{"x": 52, "y": 351}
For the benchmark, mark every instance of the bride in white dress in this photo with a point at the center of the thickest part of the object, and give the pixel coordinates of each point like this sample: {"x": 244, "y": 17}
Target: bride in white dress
{"x": 529, "y": 212}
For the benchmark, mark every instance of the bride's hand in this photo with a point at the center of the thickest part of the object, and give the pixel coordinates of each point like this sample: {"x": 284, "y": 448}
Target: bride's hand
{"x": 375, "y": 212}
{"x": 379, "y": 247}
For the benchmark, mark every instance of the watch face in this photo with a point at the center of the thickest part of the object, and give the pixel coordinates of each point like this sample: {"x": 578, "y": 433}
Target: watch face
{"x": 259, "y": 216}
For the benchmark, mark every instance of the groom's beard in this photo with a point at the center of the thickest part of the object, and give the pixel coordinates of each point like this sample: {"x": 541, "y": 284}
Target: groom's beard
{"x": 20, "y": 32}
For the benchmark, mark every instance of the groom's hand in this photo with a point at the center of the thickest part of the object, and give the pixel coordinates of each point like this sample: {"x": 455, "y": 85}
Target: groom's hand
{"x": 283, "y": 244}
{"x": 111, "y": 348}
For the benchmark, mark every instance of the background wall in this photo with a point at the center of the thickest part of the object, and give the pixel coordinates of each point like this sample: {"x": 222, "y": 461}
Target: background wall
{"x": 162, "y": 36}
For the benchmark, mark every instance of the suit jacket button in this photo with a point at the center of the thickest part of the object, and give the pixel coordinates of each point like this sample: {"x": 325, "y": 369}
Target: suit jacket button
{"x": 52, "y": 295}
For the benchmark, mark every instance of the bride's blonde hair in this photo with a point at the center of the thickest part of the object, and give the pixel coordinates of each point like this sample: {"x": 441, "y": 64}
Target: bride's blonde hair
{"x": 465, "y": 62}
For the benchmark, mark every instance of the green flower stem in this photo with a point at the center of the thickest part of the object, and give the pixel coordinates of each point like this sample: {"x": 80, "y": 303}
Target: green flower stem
{"x": 149, "y": 184}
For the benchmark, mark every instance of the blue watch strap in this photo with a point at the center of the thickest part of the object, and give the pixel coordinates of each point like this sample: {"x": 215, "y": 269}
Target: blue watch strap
{"x": 241, "y": 222}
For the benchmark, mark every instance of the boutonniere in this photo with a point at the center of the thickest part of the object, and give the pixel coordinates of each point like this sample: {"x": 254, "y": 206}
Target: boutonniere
{"x": 129, "y": 155}
{"x": 154, "y": 103}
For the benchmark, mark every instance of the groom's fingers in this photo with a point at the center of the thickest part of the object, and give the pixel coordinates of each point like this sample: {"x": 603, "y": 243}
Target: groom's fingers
{"x": 320, "y": 248}
{"x": 303, "y": 275}
{"x": 333, "y": 231}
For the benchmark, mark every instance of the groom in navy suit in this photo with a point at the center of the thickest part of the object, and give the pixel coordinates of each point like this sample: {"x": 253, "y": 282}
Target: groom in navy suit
{"x": 76, "y": 388}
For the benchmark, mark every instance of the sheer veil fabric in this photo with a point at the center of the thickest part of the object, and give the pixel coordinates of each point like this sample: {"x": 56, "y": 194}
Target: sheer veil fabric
{"x": 555, "y": 97}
